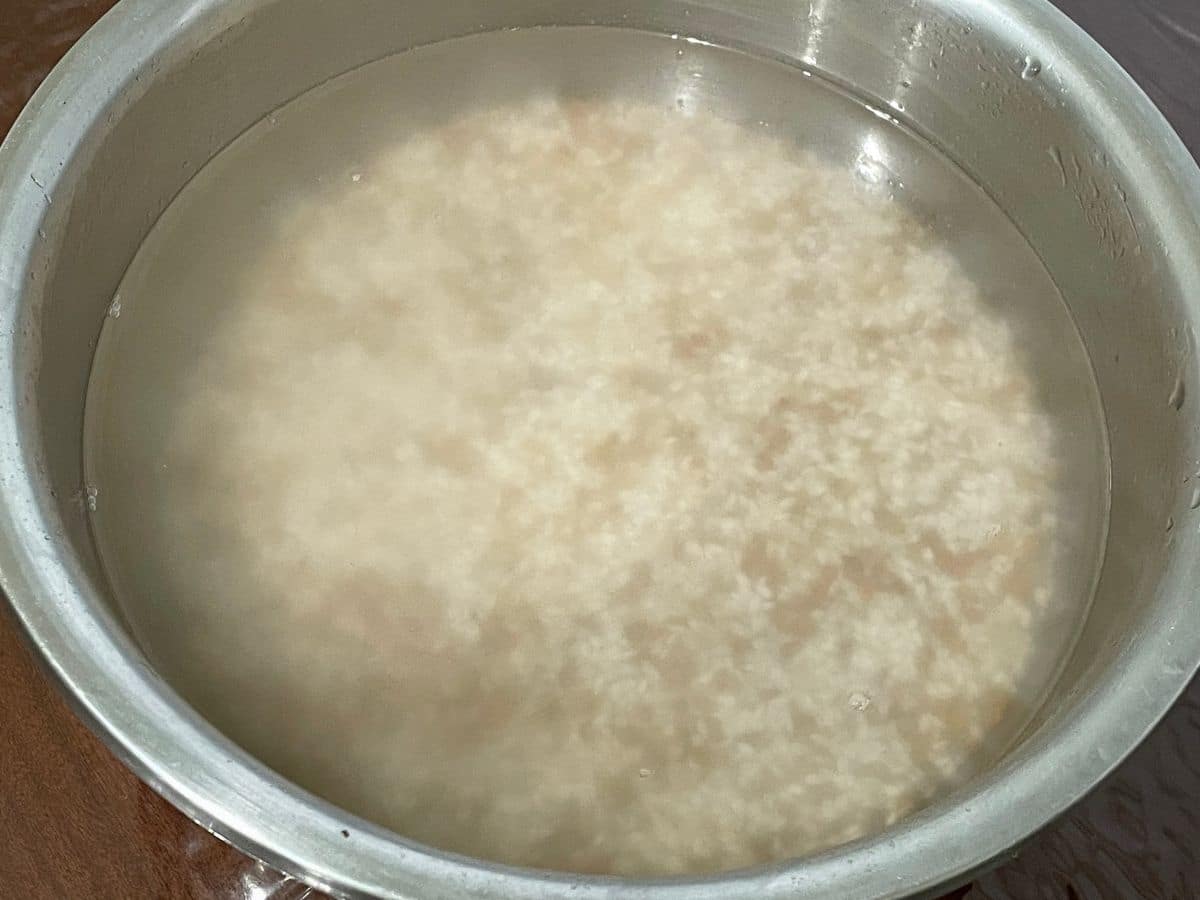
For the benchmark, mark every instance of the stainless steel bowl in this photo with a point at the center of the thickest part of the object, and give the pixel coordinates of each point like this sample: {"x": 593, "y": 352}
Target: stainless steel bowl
{"x": 1062, "y": 139}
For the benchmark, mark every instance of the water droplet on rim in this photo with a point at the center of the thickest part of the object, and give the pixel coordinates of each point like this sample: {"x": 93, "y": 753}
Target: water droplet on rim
{"x": 1178, "y": 394}
{"x": 1031, "y": 68}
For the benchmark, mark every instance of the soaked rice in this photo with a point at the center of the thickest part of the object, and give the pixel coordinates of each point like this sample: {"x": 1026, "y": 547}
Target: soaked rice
{"x": 593, "y": 487}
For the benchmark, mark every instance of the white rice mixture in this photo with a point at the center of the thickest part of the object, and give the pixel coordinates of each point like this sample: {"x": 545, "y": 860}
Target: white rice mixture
{"x": 606, "y": 489}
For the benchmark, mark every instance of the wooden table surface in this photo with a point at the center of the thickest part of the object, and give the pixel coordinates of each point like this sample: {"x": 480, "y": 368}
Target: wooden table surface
{"x": 74, "y": 823}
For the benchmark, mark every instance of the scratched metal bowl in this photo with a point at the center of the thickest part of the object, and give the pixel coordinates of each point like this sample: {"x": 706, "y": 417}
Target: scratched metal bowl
{"x": 1022, "y": 100}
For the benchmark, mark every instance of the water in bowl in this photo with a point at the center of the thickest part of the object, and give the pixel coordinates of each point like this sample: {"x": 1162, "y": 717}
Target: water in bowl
{"x": 599, "y": 451}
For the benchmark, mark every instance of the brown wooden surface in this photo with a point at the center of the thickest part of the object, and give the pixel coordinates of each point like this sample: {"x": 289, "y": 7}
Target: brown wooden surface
{"x": 74, "y": 823}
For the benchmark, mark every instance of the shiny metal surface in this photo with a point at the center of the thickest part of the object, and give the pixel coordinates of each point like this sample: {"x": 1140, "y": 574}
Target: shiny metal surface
{"x": 1063, "y": 140}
